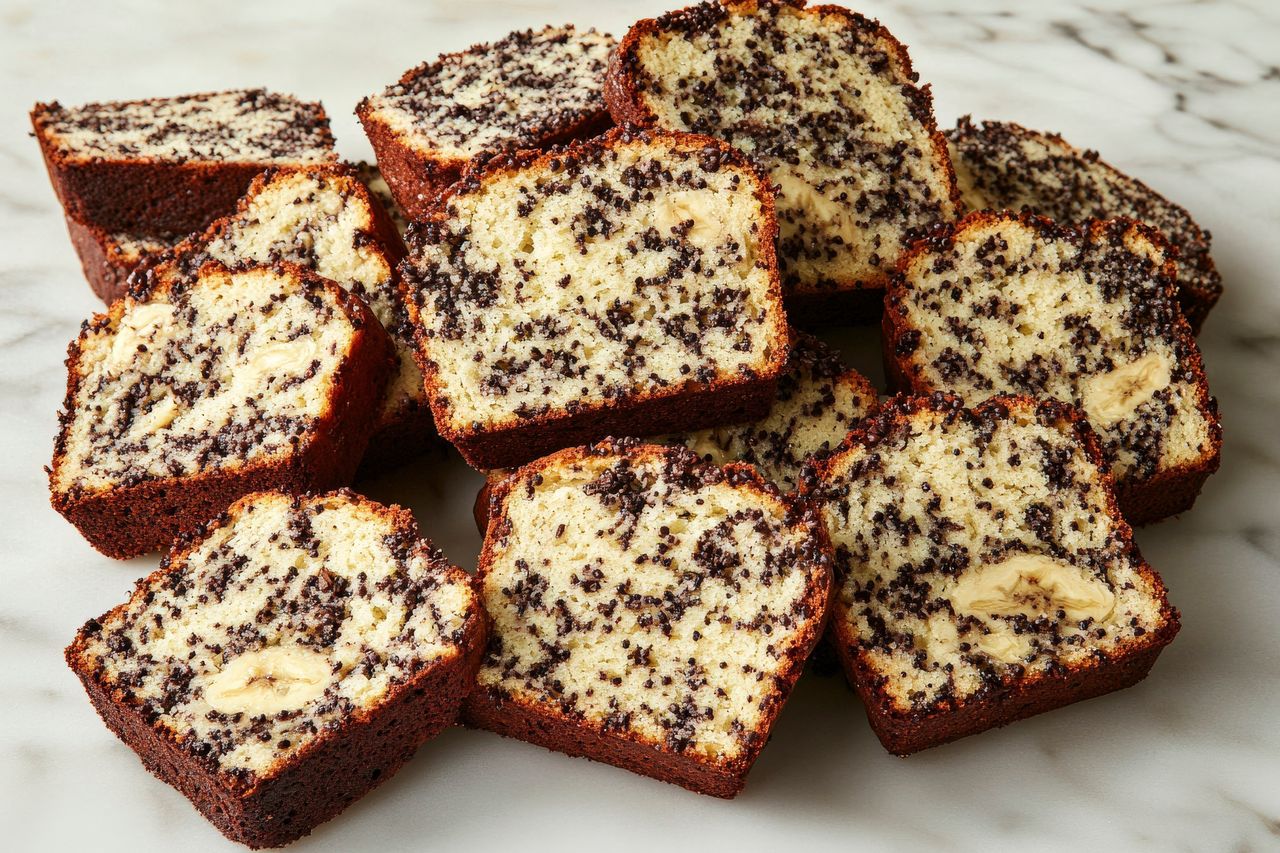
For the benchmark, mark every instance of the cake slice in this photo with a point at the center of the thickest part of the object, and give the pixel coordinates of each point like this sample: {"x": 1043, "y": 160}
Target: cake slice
{"x": 649, "y": 610}
{"x": 983, "y": 571}
{"x": 1003, "y": 166}
{"x": 818, "y": 401}
{"x": 285, "y": 660}
{"x": 624, "y": 285}
{"x": 108, "y": 259}
{"x": 169, "y": 166}
{"x": 826, "y": 101}
{"x": 531, "y": 89}
{"x": 1015, "y": 304}
{"x": 208, "y": 389}
{"x": 326, "y": 219}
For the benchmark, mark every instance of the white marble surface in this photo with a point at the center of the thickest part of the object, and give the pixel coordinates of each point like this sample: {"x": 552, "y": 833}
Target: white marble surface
{"x": 1183, "y": 94}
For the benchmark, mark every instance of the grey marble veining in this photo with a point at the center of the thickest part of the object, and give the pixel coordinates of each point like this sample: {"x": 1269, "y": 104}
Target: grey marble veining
{"x": 1182, "y": 94}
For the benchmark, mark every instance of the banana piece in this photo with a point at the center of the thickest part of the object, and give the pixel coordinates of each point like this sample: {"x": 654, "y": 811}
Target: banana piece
{"x": 142, "y": 324}
{"x": 283, "y": 357}
{"x": 1032, "y": 585}
{"x": 1113, "y": 396}
{"x": 268, "y": 681}
{"x": 682, "y": 207}
{"x": 798, "y": 194}
{"x": 163, "y": 413}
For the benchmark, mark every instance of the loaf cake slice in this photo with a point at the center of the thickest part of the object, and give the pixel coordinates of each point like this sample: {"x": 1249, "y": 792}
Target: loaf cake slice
{"x": 208, "y": 389}
{"x": 326, "y": 219}
{"x": 1015, "y": 304}
{"x": 1004, "y": 166}
{"x": 108, "y": 259}
{"x": 285, "y": 660}
{"x": 827, "y": 102}
{"x": 983, "y": 571}
{"x": 531, "y": 89}
{"x": 169, "y": 166}
{"x": 624, "y": 285}
{"x": 818, "y": 401}
{"x": 649, "y": 610}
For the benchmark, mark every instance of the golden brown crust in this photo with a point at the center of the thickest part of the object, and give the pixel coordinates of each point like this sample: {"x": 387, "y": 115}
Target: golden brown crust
{"x": 147, "y": 196}
{"x": 694, "y": 405}
{"x": 129, "y": 520}
{"x": 847, "y": 302}
{"x": 1017, "y": 697}
{"x": 1142, "y": 501}
{"x": 338, "y": 767}
{"x": 491, "y": 709}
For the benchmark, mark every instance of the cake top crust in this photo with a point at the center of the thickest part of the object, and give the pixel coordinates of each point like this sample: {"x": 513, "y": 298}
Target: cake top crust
{"x": 651, "y": 596}
{"x": 977, "y": 548}
{"x": 527, "y": 89}
{"x": 825, "y": 100}
{"x": 635, "y": 265}
{"x": 249, "y": 125}
{"x": 275, "y": 625}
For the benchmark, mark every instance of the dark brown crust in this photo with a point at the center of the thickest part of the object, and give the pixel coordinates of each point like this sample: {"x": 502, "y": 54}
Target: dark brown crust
{"x": 322, "y": 778}
{"x": 1142, "y": 501}
{"x": 1195, "y": 302}
{"x": 1017, "y": 698}
{"x": 691, "y": 406}
{"x": 847, "y": 302}
{"x": 106, "y": 270}
{"x": 147, "y": 196}
{"x": 407, "y": 433}
{"x": 418, "y": 179}
{"x": 126, "y": 521}
{"x": 490, "y": 709}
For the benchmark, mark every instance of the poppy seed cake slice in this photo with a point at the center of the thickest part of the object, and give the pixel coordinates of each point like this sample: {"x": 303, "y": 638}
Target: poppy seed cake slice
{"x": 531, "y": 89}
{"x": 1003, "y": 166}
{"x": 622, "y": 285}
{"x": 182, "y": 400}
{"x": 649, "y": 610}
{"x": 983, "y": 571}
{"x": 285, "y": 659}
{"x": 169, "y": 166}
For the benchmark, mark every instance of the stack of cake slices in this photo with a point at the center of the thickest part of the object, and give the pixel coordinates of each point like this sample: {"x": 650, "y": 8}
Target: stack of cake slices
{"x": 587, "y": 264}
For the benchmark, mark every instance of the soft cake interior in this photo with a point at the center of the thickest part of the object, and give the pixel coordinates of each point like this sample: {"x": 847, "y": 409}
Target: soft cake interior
{"x": 250, "y": 125}
{"x": 1003, "y": 166}
{"x": 323, "y": 221}
{"x": 233, "y": 368}
{"x": 506, "y": 95}
{"x": 617, "y": 273}
{"x": 817, "y": 402}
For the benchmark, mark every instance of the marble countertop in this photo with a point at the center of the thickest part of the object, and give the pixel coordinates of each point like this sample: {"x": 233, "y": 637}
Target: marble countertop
{"x": 1181, "y": 94}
